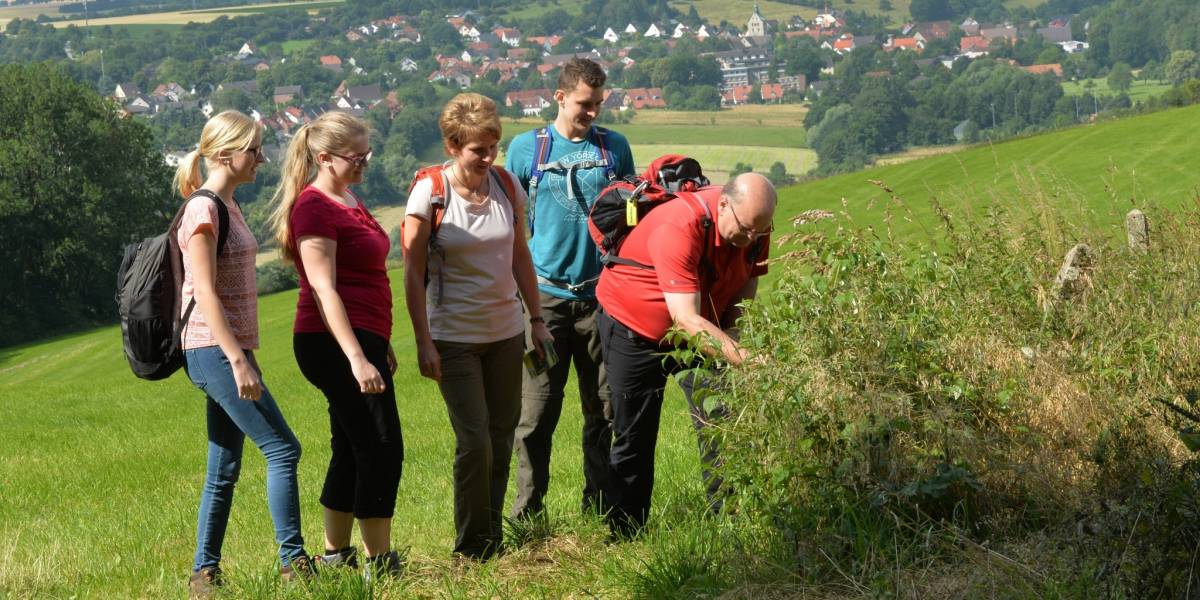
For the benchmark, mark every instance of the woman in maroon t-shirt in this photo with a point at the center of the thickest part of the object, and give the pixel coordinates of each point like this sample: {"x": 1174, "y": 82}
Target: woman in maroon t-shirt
{"x": 342, "y": 332}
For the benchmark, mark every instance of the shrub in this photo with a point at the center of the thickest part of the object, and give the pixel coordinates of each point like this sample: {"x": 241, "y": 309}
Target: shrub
{"x": 926, "y": 403}
{"x": 276, "y": 276}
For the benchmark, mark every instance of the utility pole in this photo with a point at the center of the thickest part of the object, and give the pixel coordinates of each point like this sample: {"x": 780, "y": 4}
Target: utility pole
{"x": 993, "y": 104}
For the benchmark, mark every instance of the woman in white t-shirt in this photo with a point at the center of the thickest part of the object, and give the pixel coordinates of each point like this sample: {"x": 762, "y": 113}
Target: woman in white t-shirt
{"x": 461, "y": 290}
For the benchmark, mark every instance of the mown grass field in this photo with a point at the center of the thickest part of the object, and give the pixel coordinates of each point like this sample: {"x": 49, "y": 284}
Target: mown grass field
{"x": 1139, "y": 90}
{"x": 737, "y": 12}
{"x": 100, "y": 475}
{"x": 181, "y": 17}
{"x": 274, "y": 7}
{"x": 1099, "y": 171}
{"x": 718, "y": 160}
{"x": 755, "y": 134}
{"x": 28, "y": 11}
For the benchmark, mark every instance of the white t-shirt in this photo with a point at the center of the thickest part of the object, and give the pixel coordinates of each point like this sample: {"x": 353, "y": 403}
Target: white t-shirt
{"x": 472, "y": 295}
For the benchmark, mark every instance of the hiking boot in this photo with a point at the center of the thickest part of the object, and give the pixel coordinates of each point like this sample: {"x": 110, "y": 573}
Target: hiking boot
{"x": 388, "y": 564}
{"x": 301, "y": 567}
{"x": 346, "y": 558}
{"x": 205, "y": 583}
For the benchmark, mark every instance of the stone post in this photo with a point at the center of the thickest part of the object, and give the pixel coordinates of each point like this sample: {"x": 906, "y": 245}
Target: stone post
{"x": 1137, "y": 230}
{"x": 1073, "y": 277}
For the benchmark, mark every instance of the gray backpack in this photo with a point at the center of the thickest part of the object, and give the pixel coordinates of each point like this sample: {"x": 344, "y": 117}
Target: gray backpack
{"x": 149, "y": 290}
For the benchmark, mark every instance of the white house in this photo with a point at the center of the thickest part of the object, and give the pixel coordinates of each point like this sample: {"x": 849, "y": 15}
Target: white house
{"x": 702, "y": 33}
{"x": 470, "y": 32}
{"x": 680, "y": 31}
{"x": 247, "y": 50}
{"x": 652, "y": 31}
{"x": 1074, "y": 47}
{"x": 825, "y": 20}
{"x": 408, "y": 65}
{"x": 631, "y": 28}
{"x": 611, "y": 36}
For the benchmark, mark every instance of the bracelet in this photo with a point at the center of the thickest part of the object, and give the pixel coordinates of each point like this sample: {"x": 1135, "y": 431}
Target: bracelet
{"x": 537, "y": 319}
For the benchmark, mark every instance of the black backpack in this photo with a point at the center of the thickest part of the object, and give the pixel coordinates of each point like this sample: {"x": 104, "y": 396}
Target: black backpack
{"x": 149, "y": 291}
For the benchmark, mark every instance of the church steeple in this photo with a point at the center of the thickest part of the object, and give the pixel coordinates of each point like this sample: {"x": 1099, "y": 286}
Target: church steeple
{"x": 756, "y": 26}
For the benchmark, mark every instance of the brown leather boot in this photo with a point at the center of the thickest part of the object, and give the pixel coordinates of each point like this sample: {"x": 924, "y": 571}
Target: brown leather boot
{"x": 301, "y": 567}
{"x": 205, "y": 583}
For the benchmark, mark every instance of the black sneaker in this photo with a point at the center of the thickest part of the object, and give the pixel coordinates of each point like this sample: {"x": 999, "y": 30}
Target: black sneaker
{"x": 346, "y": 558}
{"x": 388, "y": 564}
{"x": 205, "y": 583}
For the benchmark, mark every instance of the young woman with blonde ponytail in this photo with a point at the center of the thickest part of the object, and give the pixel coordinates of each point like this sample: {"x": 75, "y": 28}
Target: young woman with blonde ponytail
{"x": 218, "y": 342}
{"x": 343, "y": 329}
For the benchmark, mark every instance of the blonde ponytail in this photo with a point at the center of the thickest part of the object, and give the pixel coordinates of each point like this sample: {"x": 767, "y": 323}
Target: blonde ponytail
{"x": 229, "y": 130}
{"x": 294, "y": 175}
{"x": 187, "y": 175}
{"x": 331, "y": 132}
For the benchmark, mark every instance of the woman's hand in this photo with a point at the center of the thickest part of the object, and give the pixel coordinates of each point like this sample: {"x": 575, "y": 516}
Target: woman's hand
{"x": 429, "y": 360}
{"x": 249, "y": 383}
{"x": 391, "y": 360}
{"x": 541, "y": 335}
{"x": 368, "y": 377}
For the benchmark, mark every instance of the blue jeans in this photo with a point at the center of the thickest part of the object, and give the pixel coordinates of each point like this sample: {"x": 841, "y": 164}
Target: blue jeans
{"x": 230, "y": 420}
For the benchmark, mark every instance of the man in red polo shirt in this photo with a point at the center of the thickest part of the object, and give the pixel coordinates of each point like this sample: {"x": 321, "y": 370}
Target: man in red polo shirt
{"x": 704, "y": 264}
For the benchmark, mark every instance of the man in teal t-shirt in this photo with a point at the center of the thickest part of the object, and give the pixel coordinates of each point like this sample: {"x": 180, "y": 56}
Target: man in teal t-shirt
{"x": 563, "y": 168}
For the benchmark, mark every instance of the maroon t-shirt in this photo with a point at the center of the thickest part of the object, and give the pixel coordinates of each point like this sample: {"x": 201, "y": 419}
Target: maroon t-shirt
{"x": 671, "y": 239}
{"x": 361, "y": 269}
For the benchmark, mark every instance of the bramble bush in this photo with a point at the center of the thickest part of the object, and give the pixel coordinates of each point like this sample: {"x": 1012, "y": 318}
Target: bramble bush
{"x": 930, "y": 417}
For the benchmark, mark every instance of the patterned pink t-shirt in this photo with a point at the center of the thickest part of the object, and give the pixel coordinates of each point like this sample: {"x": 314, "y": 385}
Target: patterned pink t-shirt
{"x": 235, "y": 276}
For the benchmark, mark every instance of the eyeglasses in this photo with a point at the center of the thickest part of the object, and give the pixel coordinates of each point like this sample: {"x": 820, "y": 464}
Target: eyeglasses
{"x": 357, "y": 161}
{"x": 255, "y": 150}
{"x": 747, "y": 231}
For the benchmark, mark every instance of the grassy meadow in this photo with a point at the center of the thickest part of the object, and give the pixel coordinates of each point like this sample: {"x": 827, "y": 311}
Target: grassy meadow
{"x": 1140, "y": 89}
{"x": 101, "y": 472}
{"x": 759, "y": 135}
{"x": 182, "y": 17}
{"x": 1098, "y": 172}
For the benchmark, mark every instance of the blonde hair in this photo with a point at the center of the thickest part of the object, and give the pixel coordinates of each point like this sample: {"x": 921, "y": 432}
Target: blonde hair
{"x": 332, "y": 132}
{"x": 229, "y": 130}
{"x": 468, "y": 117}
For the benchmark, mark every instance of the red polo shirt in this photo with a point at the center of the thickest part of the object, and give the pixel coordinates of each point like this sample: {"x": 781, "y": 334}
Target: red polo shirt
{"x": 671, "y": 239}
{"x": 360, "y": 271}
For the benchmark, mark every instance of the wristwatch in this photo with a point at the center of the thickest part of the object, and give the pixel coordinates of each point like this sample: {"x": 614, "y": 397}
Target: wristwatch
{"x": 537, "y": 319}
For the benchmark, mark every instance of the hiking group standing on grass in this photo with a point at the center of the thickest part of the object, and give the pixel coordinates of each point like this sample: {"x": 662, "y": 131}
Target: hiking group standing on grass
{"x": 482, "y": 295}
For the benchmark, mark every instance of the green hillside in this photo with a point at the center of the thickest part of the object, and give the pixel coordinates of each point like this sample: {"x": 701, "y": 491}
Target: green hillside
{"x": 100, "y": 474}
{"x": 1097, "y": 171}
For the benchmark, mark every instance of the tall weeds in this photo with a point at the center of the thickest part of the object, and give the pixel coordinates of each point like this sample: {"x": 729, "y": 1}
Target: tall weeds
{"x": 931, "y": 419}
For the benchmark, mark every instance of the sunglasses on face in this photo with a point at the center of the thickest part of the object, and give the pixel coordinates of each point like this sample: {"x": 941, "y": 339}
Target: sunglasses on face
{"x": 748, "y": 231}
{"x": 255, "y": 150}
{"x": 358, "y": 160}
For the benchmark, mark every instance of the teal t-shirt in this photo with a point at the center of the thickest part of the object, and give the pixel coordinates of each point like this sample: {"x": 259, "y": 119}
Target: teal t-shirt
{"x": 558, "y": 240}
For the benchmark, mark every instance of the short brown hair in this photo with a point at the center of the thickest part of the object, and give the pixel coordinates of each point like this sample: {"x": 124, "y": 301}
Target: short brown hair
{"x": 581, "y": 69}
{"x": 468, "y": 117}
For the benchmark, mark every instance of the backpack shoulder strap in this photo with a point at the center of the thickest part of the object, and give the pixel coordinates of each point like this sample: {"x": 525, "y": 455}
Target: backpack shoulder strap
{"x": 706, "y": 229}
{"x": 436, "y": 174}
{"x": 599, "y": 134}
{"x": 543, "y": 144}
{"x": 222, "y": 217}
{"x": 507, "y": 185}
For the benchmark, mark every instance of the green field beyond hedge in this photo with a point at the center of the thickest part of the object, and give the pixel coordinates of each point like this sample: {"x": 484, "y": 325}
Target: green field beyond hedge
{"x": 1100, "y": 171}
